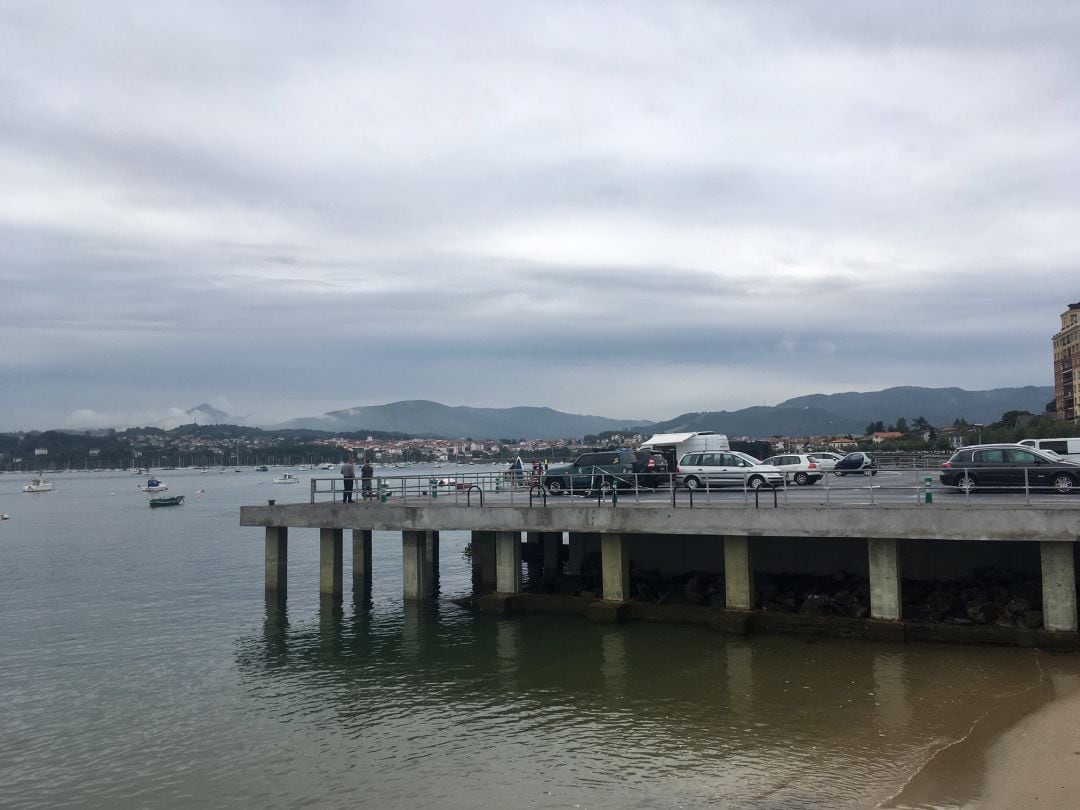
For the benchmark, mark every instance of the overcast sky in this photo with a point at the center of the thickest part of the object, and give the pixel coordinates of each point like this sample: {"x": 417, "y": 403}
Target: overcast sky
{"x": 632, "y": 209}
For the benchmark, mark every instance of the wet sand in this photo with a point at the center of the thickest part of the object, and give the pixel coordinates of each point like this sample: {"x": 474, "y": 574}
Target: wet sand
{"x": 1024, "y": 753}
{"x": 1037, "y": 762}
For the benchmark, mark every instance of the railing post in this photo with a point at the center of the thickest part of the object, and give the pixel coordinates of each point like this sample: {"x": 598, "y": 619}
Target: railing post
{"x": 311, "y": 486}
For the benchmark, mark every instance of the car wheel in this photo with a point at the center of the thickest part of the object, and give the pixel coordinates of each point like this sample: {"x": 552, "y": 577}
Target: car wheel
{"x": 692, "y": 483}
{"x": 801, "y": 479}
{"x": 839, "y": 472}
{"x": 867, "y": 472}
{"x": 555, "y": 486}
{"x": 1063, "y": 483}
{"x": 756, "y": 482}
{"x": 606, "y": 488}
{"x": 966, "y": 483}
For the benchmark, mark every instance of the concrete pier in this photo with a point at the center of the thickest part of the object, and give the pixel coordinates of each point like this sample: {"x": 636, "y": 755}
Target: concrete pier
{"x": 738, "y": 573}
{"x": 873, "y": 550}
{"x": 508, "y": 562}
{"x": 417, "y": 564}
{"x": 615, "y": 564}
{"x": 331, "y": 561}
{"x": 361, "y": 555}
{"x": 1059, "y": 586}
{"x": 885, "y": 602}
{"x": 277, "y": 558}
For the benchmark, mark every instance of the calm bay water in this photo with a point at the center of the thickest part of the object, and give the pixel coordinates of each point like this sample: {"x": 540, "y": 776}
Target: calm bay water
{"x": 141, "y": 665}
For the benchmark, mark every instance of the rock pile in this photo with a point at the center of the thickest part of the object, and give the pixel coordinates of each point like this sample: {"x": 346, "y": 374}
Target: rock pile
{"x": 990, "y": 596}
{"x": 839, "y": 594}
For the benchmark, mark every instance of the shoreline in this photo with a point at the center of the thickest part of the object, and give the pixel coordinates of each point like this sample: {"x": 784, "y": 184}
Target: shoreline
{"x": 1024, "y": 754}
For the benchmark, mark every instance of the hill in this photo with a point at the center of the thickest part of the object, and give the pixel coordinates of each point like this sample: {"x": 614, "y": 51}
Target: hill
{"x": 763, "y": 421}
{"x": 823, "y": 414}
{"x": 940, "y": 406}
{"x": 432, "y": 419}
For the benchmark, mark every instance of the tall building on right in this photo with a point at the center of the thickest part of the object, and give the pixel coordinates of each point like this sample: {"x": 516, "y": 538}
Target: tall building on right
{"x": 1067, "y": 365}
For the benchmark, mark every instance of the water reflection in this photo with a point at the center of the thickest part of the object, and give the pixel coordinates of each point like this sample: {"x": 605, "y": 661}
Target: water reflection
{"x": 640, "y": 713}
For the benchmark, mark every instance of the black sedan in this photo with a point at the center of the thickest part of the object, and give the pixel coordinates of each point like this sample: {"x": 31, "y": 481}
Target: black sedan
{"x": 1008, "y": 467}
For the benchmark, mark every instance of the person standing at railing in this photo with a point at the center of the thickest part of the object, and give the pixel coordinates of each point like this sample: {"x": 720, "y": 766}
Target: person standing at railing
{"x": 366, "y": 474}
{"x": 348, "y": 472}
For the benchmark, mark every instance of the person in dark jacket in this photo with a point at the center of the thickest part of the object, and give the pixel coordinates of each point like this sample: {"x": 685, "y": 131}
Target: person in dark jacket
{"x": 348, "y": 473}
{"x": 366, "y": 474}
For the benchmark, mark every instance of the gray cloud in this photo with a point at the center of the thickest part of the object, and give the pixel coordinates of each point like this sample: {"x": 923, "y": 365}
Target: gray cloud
{"x": 532, "y": 203}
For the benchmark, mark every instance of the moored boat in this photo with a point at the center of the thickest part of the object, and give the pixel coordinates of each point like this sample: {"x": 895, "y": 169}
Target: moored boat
{"x": 175, "y": 500}
{"x": 153, "y": 485}
{"x": 286, "y": 478}
{"x": 38, "y": 485}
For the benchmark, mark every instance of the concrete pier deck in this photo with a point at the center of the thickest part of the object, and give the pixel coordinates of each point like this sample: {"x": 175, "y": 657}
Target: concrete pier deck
{"x": 885, "y": 543}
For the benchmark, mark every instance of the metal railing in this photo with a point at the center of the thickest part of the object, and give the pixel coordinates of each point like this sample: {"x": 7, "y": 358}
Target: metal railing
{"x": 894, "y": 487}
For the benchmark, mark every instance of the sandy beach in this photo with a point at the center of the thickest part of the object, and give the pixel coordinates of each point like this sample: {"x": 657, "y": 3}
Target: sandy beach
{"x": 1037, "y": 762}
{"x": 1024, "y": 754}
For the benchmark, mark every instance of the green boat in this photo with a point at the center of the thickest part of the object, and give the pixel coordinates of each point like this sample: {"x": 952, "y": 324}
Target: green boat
{"x": 175, "y": 500}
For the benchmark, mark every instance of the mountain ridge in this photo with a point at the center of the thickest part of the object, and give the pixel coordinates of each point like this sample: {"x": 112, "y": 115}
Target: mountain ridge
{"x": 811, "y": 414}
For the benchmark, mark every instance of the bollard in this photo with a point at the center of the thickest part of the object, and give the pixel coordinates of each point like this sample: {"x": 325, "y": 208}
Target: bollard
{"x": 928, "y": 496}
{"x": 433, "y": 488}
{"x": 383, "y": 487}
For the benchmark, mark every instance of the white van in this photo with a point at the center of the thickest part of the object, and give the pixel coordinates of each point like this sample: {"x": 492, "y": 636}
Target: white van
{"x": 675, "y": 445}
{"x": 1068, "y": 449}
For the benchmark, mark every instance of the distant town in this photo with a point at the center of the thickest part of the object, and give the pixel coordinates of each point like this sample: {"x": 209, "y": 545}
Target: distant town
{"x": 237, "y": 446}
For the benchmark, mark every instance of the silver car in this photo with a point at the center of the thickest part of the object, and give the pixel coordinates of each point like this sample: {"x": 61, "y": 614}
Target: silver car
{"x": 717, "y": 469}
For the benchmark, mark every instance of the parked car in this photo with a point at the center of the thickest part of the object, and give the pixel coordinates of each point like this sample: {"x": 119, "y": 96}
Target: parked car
{"x": 1067, "y": 448}
{"x": 801, "y": 469}
{"x": 724, "y": 469}
{"x": 652, "y": 469}
{"x": 622, "y": 469}
{"x": 856, "y": 464}
{"x": 1009, "y": 467}
{"x": 826, "y": 459}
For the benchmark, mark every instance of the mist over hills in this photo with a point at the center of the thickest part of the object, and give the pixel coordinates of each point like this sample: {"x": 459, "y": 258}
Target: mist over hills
{"x": 426, "y": 418}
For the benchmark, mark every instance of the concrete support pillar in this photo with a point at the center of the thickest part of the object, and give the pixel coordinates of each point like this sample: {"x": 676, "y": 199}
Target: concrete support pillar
{"x": 416, "y": 564}
{"x": 361, "y": 555}
{"x": 577, "y": 554}
{"x": 508, "y": 562}
{"x": 1058, "y": 586}
{"x": 615, "y": 567}
{"x": 552, "y": 546}
{"x": 483, "y": 562}
{"x": 277, "y": 558}
{"x": 738, "y": 573}
{"x": 884, "y": 578}
{"x": 330, "y": 561}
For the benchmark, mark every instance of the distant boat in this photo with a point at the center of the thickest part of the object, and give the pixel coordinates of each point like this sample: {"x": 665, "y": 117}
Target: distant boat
{"x": 5, "y": 516}
{"x": 262, "y": 468}
{"x": 38, "y": 485}
{"x": 175, "y": 500}
{"x": 153, "y": 485}
{"x": 286, "y": 478}
{"x": 326, "y": 466}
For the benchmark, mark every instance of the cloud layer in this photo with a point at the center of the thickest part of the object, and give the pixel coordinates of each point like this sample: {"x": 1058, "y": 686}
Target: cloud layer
{"x": 625, "y": 208}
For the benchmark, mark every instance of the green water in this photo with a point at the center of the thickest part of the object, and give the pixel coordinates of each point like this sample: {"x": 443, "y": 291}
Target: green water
{"x": 142, "y": 666}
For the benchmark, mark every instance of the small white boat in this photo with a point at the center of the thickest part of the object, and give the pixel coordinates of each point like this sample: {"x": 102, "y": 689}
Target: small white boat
{"x": 153, "y": 485}
{"x": 38, "y": 485}
{"x": 326, "y": 466}
{"x": 5, "y": 516}
{"x": 286, "y": 478}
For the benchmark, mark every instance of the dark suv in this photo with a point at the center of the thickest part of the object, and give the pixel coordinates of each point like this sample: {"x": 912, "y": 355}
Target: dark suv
{"x": 1008, "y": 467}
{"x": 606, "y": 468}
